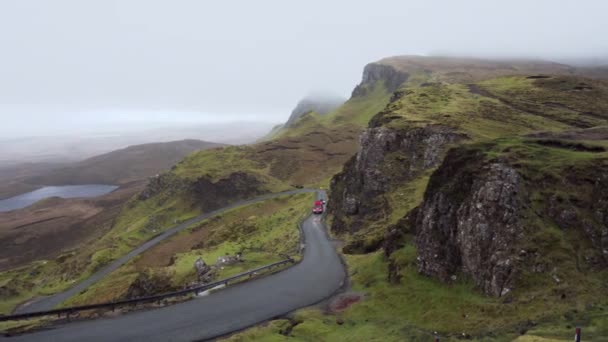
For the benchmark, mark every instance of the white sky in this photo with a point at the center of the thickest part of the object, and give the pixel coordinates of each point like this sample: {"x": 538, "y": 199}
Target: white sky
{"x": 113, "y": 60}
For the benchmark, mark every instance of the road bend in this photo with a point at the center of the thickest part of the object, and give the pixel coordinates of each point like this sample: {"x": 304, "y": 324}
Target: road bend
{"x": 315, "y": 278}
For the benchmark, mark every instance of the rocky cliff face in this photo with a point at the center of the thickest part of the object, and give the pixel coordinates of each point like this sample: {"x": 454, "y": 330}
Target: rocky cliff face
{"x": 599, "y": 200}
{"x": 469, "y": 222}
{"x": 588, "y": 213}
{"x": 148, "y": 284}
{"x": 386, "y": 157}
{"x": 207, "y": 194}
{"x": 375, "y": 72}
{"x": 490, "y": 218}
{"x": 165, "y": 182}
{"x": 238, "y": 185}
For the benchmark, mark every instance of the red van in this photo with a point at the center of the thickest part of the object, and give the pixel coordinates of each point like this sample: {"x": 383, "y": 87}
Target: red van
{"x": 318, "y": 207}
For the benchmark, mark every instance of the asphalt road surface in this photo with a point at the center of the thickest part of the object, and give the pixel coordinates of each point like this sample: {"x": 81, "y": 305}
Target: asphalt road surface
{"x": 50, "y": 302}
{"x": 315, "y": 278}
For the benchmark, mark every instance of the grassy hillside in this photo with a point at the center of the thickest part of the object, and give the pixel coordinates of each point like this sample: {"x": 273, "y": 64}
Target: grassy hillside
{"x": 546, "y": 127}
{"x": 353, "y": 115}
{"x": 482, "y": 111}
{"x": 201, "y": 182}
{"x": 465, "y": 70}
{"x": 264, "y": 233}
{"x": 307, "y": 154}
{"x": 411, "y": 111}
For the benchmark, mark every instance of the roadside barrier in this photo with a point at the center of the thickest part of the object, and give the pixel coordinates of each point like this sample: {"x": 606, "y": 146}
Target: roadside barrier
{"x": 150, "y": 299}
{"x": 158, "y": 298}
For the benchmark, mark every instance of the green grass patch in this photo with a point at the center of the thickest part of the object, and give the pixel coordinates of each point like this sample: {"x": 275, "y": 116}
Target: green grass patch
{"x": 480, "y": 117}
{"x": 419, "y": 306}
{"x": 264, "y": 232}
{"x": 359, "y": 110}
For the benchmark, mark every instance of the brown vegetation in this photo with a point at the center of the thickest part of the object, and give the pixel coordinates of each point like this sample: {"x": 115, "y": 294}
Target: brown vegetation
{"x": 54, "y": 225}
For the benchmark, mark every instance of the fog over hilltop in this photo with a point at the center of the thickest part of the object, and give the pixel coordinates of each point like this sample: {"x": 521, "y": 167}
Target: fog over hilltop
{"x": 72, "y": 67}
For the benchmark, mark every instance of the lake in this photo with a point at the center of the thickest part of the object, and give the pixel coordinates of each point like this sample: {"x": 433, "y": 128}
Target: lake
{"x": 65, "y": 191}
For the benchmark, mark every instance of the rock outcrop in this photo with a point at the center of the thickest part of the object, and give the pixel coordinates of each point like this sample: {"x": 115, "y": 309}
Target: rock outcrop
{"x": 599, "y": 200}
{"x": 204, "y": 272}
{"x": 575, "y": 212}
{"x": 238, "y": 185}
{"x": 470, "y": 222}
{"x": 492, "y": 218}
{"x": 165, "y": 182}
{"x": 207, "y": 193}
{"x": 375, "y": 72}
{"x": 386, "y": 157}
{"x": 149, "y": 283}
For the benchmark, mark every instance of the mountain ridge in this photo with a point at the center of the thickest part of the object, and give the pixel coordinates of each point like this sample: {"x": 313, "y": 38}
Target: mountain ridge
{"x": 419, "y": 161}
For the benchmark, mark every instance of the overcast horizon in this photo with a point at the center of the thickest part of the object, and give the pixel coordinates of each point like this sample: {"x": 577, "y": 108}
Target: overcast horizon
{"x": 72, "y": 65}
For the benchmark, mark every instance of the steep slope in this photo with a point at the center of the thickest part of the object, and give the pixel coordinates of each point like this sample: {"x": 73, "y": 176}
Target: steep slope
{"x": 307, "y": 150}
{"x": 352, "y": 116}
{"x": 504, "y": 212}
{"x": 261, "y": 233}
{"x": 318, "y": 104}
{"x": 474, "y": 206}
{"x": 408, "y": 139}
{"x": 508, "y": 216}
{"x": 418, "y": 109}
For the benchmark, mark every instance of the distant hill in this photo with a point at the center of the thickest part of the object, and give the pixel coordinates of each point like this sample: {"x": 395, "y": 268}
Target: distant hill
{"x": 600, "y": 71}
{"x": 125, "y": 165}
{"x": 318, "y": 104}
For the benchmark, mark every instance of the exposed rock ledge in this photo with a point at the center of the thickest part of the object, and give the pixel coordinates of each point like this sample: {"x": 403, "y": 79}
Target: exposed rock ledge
{"x": 386, "y": 157}
{"x": 375, "y": 72}
{"x": 470, "y": 224}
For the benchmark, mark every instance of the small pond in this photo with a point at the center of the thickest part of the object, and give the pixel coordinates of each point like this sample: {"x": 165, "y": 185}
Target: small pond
{"x": 64, "y": 191}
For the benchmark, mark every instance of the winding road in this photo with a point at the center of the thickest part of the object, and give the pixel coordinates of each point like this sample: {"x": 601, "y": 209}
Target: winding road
{"x": 315, "y": 278}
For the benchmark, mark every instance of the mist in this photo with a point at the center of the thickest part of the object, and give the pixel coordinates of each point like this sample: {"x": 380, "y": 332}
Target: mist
{"x": 85, "y": 67}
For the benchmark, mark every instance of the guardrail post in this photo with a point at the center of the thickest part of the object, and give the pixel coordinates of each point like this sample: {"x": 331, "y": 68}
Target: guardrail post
{"x": 577, "y": 335}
